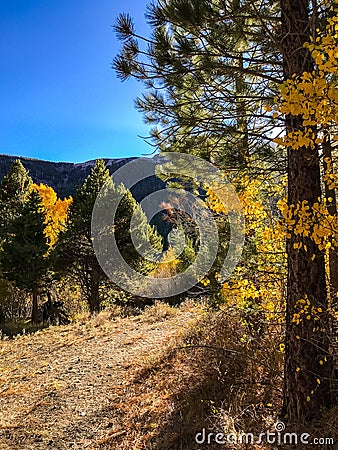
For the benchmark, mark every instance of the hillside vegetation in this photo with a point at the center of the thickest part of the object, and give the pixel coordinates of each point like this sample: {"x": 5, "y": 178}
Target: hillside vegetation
{"x": 65, "y": 178}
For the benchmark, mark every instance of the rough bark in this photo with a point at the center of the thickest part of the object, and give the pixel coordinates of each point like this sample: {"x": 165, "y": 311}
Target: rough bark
{"x": 35, "y": 311}
{"x": 94, "y": 299}
{"x": 308, "y": 363}
{"x": 242, "y": 123}
{"x": 331, "y": 201}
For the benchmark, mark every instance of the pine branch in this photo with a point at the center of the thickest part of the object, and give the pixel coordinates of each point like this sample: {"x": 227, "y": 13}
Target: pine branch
{"x": 124, "y": 27}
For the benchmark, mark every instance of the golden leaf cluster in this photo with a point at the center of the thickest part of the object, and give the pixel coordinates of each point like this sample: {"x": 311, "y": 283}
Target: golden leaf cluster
{"x": 56, "y": 211}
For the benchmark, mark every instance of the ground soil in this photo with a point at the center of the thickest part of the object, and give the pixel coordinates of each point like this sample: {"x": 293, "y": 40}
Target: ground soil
{"x": 65, "y": 387}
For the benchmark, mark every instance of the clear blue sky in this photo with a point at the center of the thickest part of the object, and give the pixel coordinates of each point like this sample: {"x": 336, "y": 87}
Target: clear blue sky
{"x": 59, "y": 98}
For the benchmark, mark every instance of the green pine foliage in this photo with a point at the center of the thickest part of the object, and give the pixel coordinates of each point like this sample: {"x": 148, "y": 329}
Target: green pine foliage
{"x": 208, "y": 69}
{"x": 14, "y": 191}
{"x": 24, "y": 255}
{"x": 74, "y": 251}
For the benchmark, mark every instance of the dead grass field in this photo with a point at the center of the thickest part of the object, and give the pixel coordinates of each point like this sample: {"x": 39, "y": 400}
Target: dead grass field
{"x": 60, "y": 386}
{"x": 143, "y": 382}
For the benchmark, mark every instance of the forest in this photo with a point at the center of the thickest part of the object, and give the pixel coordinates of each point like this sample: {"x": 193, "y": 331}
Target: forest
{"x": 249, "y": 88}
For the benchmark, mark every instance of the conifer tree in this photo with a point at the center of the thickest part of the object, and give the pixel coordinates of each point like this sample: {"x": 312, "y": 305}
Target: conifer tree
{"x": 23, "y": 258}
{"x": 74, "y": 250}
{"x": 14, "y": 190}
{"x": 208, "y": 69}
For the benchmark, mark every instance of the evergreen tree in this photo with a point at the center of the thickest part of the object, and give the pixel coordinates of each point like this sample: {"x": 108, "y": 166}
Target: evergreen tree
{"x": 209, "y": 68}
{"x": 23, "y": 258}
{"x": 14, "y": 191}
{"x": 74, "y": 250}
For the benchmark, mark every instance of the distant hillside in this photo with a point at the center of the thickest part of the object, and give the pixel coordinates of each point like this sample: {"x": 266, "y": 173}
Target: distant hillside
{"x": 64, "y": 178}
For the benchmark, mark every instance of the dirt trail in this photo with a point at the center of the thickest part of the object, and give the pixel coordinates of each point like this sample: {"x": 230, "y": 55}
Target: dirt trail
{"x": 59, "y": 387}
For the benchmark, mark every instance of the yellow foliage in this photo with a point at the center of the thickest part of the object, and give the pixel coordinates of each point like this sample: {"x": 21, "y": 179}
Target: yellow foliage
{"x": 262, "y": 289}
{"x": 56, "y": 211}
{"x": 168, "y": 266}
{"x": 213, "y": 202}
{"x": 315, "y": 222}
{"x": 314, "y": 97}
{"x": 306, "y": 311}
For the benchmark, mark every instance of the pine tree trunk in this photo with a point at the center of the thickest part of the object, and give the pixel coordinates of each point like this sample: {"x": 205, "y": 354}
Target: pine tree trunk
{"x": 35, "y": 311}
{"x": 331, "y": 201}
{"x": 241, "y": 113}
{"x": 308, "y": 364}
{"x": 94, "y": 300}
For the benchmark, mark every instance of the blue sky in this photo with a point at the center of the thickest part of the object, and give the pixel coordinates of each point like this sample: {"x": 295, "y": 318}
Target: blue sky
{"x": 60, "y": 99}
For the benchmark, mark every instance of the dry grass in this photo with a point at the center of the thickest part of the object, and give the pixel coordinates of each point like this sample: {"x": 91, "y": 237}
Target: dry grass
{"x": 218, "y": 373}
{"x": 211, "y": 377}
{"x": 57, "y": 385}
{"x": 158, "y": 312}
{"x": 146, "y": 382}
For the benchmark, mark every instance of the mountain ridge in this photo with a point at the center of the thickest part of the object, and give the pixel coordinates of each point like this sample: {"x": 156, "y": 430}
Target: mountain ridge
{"x": 66, "y": 177}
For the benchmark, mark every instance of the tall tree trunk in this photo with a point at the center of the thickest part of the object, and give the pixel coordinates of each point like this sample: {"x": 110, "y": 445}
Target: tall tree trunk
{"x": 308, "y": 364}
{"x": 331, "y": 201}
{"x": 241, "y": 113}
{"x": 35, "y": 311}
{"x": 94, "y": 300}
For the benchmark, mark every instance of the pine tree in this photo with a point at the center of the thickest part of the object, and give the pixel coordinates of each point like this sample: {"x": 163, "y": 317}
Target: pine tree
{"x": 23, "y": 258}
{"x": 209, "y": 68}
{"x": 14, "y": 191}
{"x": 74, "y": 250}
